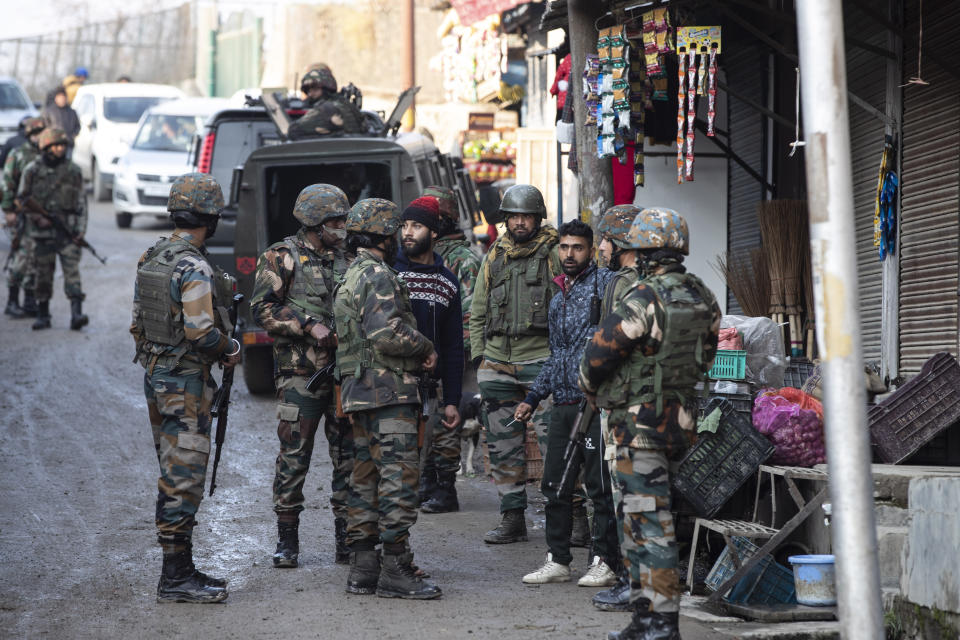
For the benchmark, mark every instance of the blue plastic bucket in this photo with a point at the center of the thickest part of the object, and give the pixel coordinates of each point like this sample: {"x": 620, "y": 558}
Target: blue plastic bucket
{"x": 814, "y": 577}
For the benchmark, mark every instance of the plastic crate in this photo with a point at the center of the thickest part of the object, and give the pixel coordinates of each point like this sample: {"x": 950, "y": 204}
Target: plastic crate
{"x": 767, "y": 583}
{"x": 917, "y": 411}
{"x": 742, "y": 404}
{"x": 797, "y": 372}
{"x": 721, "y": 462}
{"x": 730, "y": 364}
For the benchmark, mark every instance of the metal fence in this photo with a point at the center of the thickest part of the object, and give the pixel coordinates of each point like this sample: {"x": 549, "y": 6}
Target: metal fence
{"x": 151, "y": 47}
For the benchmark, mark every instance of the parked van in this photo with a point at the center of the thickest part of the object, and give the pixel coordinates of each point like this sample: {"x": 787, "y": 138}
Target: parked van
{"x": 109, "y": 114}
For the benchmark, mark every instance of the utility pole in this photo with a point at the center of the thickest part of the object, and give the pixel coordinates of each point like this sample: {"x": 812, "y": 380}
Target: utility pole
{"x": 593, "y": 173}
{"x": 409, "y": 57}
{"x": 833, "y": 253}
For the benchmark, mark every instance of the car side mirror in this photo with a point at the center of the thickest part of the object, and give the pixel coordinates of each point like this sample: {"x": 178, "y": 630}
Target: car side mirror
{"x": 236, "y": 181}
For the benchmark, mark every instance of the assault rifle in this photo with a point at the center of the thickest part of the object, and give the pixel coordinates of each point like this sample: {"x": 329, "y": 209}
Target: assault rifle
{"x": 322, "y": 375}
{"x": 16, "y": 236}
{"x": 221, "y": 401}
{"x": 581, "y": 424}
{"x": 32, "y": 206}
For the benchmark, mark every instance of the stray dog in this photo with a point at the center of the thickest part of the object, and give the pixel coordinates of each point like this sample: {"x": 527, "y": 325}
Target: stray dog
{"x": 469, "y": 432}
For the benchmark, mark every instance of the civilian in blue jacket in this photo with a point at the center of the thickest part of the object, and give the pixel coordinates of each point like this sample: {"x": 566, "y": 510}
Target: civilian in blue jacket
{"x": 435, "y": 298}
{"x": 570, "y": 328}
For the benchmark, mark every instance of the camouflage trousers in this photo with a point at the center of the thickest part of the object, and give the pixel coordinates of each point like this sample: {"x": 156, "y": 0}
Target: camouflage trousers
{"x": 504, "y": 386}
{"x": 22, "y": 270}
{"x": 386, "y": 473}
{"x": 647, "y": 539}
{"x": 45, "y": 262}
{"x": 179, "y": 404}
{"x": 299, "y": 412}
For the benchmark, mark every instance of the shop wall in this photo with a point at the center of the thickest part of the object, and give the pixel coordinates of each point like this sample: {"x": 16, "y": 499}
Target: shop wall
{"x": 702, "y": 202}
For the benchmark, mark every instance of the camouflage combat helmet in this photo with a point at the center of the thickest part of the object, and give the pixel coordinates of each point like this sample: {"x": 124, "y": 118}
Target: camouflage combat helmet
{"x": 33, "y": 125}
{"x": 198, "y": 193}
{"x": 318, "y": 203}
{"x": 616, "y": 222}
{"x": 523, "y": 198}
{"x": 447, "y": 200}
{"x": 52, "y": 136}
{"x": 374, "y": 215}
{"x": 319, "y": 74}
{"x": 659, "y": 228}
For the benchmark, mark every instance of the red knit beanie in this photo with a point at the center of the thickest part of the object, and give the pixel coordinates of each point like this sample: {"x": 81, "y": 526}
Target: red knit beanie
{"x": 426, "y": 211}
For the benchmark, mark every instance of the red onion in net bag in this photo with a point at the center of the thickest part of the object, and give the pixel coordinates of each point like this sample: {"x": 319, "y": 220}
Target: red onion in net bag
{"x": 796, "y": 432}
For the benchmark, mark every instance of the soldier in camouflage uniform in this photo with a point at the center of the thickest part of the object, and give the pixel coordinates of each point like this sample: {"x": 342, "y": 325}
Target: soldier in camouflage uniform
{"x": 329, "y": 112}
{"x": 293, "y": 301}
{"x": 379, "y": 355}
{"x": 508, "y": 342}
{"x": 644, "y": 363}
{"x": 21, "y": 266}
{"x": 56, "y": 184}
{"x": 443, "y": 459}
{"x": 178, "y": 309}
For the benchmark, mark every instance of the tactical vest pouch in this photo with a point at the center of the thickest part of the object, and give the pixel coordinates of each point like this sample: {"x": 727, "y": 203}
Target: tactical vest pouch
{"x": 159, "y": 323}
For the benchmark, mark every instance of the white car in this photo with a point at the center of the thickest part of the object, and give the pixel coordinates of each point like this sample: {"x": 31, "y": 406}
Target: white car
{"x": 15, "y": 105}
{"x": 108, "y": 121}
{"x": 159, "y": 153}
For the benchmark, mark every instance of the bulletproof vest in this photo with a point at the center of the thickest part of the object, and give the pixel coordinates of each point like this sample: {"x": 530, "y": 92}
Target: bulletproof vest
{"x": 352, "y": 118}
{"x": 519, "y": 294}
{"x": 313, "y": 282}
{"x": 354, "y": 352}
{"x": 160, "y": 325}
{"x": 678, "y": 365}
{"x": 620, "y": 283}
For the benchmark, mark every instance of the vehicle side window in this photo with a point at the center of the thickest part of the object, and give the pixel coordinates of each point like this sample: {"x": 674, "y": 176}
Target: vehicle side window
{"x": 235, "y": 141}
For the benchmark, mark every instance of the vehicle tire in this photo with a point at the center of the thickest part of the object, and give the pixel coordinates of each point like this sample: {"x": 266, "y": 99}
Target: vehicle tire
{"x": 124, "y": 219}
{"x": 100, "y": 191}
{"x": 258, "y": 369}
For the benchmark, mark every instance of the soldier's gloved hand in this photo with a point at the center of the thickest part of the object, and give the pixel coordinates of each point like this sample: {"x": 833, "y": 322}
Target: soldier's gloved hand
{"x": 322, "y": 335}
{"x": 451, "y": 416}
{"x": 430, "y": 362}
{"x": 523, "y": 412}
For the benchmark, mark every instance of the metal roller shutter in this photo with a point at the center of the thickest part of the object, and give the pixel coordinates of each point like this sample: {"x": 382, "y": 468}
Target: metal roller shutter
{"x": 746, "y": 126}
{"x": 930, "y": 198}
{"x": 867, "y": 78}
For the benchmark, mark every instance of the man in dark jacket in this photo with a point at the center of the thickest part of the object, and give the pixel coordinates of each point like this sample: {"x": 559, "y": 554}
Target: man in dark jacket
{"x": 571, "y": 325}
{"x": 59, "y": 114}
{"x": 435, "y": 298}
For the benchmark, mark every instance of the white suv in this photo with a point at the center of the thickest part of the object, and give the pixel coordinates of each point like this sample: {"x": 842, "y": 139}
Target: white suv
{"x": 14, "y": 107}
{"x": 108, "y": 121}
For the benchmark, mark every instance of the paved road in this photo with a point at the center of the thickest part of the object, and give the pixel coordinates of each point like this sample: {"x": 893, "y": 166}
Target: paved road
{"x": 78, "y": 556}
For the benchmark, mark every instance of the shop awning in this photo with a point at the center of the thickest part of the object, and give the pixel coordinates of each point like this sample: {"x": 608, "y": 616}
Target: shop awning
{"x": 470, "y": 11}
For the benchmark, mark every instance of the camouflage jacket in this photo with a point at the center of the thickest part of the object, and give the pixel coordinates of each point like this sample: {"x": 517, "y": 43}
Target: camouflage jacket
{"x": 380, "y": 350}
{"x": 628, "y": 338}
{"x": 622, "y": 281}
{"x": 328, "y": 116}
{"x": 288, "y": 322}
{"x": 464, "y": 263}
{"x": 59, "y": 190}
{"x": 192, "y": 304}
{"x": 13, "y": 168}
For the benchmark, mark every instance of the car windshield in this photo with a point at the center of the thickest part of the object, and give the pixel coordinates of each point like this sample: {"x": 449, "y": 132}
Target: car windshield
{"x": 166, "y": 133}
{"x": 11, "y": 97}
{"x": 128, "y": 109}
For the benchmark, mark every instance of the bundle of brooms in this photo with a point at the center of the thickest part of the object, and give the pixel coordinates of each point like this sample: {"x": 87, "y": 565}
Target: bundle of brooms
{"x": 747, "y": 277}
{"x": 783, "y": 227}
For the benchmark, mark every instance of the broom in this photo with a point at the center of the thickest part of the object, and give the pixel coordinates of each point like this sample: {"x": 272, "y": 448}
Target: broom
{"x": 773, "y": 233}
{"x": 808, "y": 300}
{"x": 796, "y": 246}
{"x": 748, "y": 279}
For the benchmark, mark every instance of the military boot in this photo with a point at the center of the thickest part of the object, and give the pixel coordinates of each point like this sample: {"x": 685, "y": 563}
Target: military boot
{"x": 616, "y": 598}
{"x": 444, "y": 499}
{"x": 512, "y": 528}
{"x": 663, "y": 626}
{"x": 640, "y": 624}
{"x": 580, "y": 533}
{"x": 364, "y": 571}
{"x": 29, "y": 303}
{"x": 43, "y": 316}
{"x": 209, "y": 580}
{"x": 342, "y": 554}
{"x": 14, "y": 310}
{"x": 398, "y": 578}
{"x": 181, "y": 582}
{"x": 428, "y": 483}
{"x": 288, "y": 545}
{"x": 77, "y": 318}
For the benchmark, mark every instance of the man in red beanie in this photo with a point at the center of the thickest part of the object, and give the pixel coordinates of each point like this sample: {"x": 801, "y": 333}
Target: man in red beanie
{"x": 435, "y": 298}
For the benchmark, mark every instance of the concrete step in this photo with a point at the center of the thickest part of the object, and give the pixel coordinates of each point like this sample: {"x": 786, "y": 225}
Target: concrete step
{"x": 889, "y": 515}
{"x": 890, "y": 543}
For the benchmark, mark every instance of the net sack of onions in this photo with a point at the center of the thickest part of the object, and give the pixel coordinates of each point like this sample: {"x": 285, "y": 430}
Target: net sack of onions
{"x": 793, "y": 422}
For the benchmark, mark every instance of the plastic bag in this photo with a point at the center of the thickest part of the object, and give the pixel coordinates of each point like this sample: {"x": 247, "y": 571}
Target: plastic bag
{"x": 763, "y": 342}
{"x": 730, "y": 339}
{"x": 793, "y": 421}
